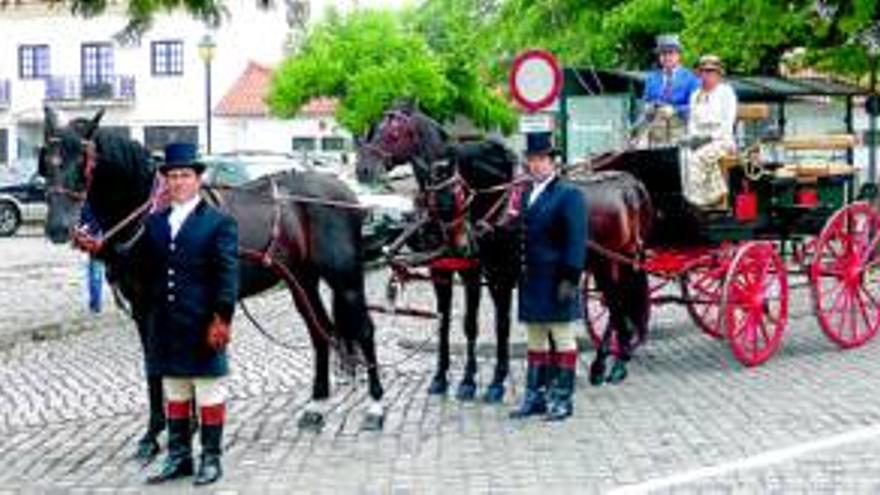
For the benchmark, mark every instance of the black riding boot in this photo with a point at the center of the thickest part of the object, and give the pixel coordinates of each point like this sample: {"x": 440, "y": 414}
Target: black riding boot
{"x": 179, "y": 462}
{"x": 210, "y": 469}
{"x": 533, "y": 401}
{"x": 561, "y": 403}
{"x": 148, "y": 446}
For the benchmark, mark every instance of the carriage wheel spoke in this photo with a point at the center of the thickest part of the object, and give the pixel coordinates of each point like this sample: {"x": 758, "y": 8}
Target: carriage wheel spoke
{"x": 862, "y": 311}
{"x": 833, "y": 248}
{"x": 840, "y": 291}
{"x": 871, "y": 245}
{"x": 845, "y": 314}
{"x": 764, "y": 334}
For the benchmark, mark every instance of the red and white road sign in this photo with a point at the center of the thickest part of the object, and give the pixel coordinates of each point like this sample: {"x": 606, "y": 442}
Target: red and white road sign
{"x": 535, "y": 79}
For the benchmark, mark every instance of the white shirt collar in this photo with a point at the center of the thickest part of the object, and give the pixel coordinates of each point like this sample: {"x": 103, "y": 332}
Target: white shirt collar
{"x": 188, "y": 205}
{"x": 539, "y": 188}
{"x": 179, "y": 212}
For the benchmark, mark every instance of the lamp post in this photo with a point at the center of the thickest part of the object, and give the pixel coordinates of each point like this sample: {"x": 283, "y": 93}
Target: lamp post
{"x": 206, "y": 53}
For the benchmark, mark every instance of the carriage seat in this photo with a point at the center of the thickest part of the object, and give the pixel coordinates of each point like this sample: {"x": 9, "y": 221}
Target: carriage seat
{"x": 752, "y": 112}
{"x": 812, "y": 156}
{"x": 747, "y": 114}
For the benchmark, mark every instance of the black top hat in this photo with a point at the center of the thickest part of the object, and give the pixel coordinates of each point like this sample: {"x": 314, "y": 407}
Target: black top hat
{"x": 540, "y": 143}
{"x": 181, "y": 155}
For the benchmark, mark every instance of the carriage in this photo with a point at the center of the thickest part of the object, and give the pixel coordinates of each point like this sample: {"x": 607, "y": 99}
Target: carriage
{"x": 733, "y": 268}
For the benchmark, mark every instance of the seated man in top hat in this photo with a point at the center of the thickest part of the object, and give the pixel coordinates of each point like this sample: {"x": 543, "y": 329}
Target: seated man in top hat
{"x": 667, "y": 94}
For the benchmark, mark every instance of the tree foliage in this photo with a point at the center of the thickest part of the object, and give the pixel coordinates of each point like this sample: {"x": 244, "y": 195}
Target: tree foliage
{"x": 141, "y": 13}
{"x": 370, "y": 59}
{"x": 752, "y": 36}
{"x": 452, "y": 55}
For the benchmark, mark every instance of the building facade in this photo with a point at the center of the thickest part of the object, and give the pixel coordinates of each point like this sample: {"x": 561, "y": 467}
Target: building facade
{"x": 155, "y": 90}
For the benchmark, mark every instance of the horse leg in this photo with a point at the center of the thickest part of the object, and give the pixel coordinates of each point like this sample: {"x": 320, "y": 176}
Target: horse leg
{"x": 502, "y": 295}
{"x": 635, "y": 318}
{"x": 612, "y": 296}
{"x": 354, "y": 323}
{"x": 467, "y": 389}
{"x": 443, "y": 291}
{"x": 318, "y": 323}
{"x": 148, "y": 446}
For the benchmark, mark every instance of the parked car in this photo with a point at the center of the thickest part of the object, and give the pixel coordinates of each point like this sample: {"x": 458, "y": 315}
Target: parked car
{"x": 22, "y": 201}
{"x": 388, "y": 211}
{"x": 236, "y": 168}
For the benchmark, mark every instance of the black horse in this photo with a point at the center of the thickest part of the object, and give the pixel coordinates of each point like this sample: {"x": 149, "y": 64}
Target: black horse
{"x": 298, "y": 228}
{"x": 620, "y": 218}
{"x": 457, "y": 201}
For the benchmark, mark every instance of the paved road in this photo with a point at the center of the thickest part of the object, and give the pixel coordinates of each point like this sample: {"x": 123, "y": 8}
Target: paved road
{"x": 689, "y": 420}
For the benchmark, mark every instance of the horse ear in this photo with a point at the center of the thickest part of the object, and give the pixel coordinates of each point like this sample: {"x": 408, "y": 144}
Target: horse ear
{"x": 50, "y": 122}
{"x": 93, "y": 124}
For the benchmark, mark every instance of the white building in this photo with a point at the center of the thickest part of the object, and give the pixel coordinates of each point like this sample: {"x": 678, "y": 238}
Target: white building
{"x": 155, "y": 91}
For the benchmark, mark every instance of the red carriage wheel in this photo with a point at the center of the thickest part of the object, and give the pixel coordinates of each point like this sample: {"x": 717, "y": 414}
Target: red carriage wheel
{"x": 754, "y": 302}
{"x": 701, "y": 289}
{"x": 844, "y": 276}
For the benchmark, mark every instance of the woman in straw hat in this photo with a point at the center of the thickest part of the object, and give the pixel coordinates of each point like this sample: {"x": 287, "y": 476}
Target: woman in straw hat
{"x": 711, "y": 136}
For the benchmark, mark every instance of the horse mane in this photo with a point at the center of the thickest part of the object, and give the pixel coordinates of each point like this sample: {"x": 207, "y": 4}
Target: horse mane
{"x": 123, "y": 176}
{"x": 127, "y": 154}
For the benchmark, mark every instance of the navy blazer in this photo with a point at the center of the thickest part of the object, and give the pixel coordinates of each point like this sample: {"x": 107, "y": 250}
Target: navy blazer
{"x": 555, "y": 249}
{"x": 189, "y": 280}
{"x": 684, "y": 83}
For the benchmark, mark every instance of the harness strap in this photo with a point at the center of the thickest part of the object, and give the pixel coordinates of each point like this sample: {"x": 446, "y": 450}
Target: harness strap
{"x": 157, "y": 190}
{"x": 275, "y": 228}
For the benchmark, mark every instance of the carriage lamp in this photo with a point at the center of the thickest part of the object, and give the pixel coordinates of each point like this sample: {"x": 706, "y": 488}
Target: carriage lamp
{"x": 206, "y": 53}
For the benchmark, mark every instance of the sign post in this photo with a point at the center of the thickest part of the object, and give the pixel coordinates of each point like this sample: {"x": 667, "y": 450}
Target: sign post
{"x": 535, "y": 80}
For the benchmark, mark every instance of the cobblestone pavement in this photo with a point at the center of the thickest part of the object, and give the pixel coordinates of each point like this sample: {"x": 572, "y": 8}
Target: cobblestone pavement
{"x": 689, "y": 420}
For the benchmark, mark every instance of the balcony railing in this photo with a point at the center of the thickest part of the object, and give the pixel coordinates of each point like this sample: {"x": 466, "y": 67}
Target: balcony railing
{"x": 119, "y": 89}
{"x": 5, "y": 93}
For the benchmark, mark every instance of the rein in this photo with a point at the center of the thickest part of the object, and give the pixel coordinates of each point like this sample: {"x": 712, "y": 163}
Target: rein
{"x": 138, "y": 213}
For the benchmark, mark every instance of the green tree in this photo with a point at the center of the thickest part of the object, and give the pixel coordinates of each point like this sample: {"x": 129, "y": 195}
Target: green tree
{"x": 370, "y": 59}
{"x": 142, "y": 12}
{"x": 845, "y": 35}
{"x": 751, "y": 36}
{"x": 605, "y": 33}
{"x": 457, "y": 33}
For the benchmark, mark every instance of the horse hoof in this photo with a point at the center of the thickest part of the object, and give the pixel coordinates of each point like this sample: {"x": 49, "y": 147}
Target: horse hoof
{"x": 439, "y": 385}
{"x": 618, "y": 373}
{"x": 311, "y": 421}
{"x": 597, "y": 373}
{"x": 494, "y": 393}
{"x": 466, "y": 391}
{"x": 373, "y": 422}
{"x": 147, "y": 450}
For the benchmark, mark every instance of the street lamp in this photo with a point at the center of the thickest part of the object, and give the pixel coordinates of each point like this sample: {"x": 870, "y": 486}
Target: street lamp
{"x": 206, "y": 53}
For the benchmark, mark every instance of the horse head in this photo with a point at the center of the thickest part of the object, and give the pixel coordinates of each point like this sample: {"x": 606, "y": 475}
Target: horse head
{"x": 66, "y": 161}
{"x": 402, "y": 135}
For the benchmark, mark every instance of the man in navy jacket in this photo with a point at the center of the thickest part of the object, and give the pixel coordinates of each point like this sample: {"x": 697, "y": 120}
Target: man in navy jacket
{"x": 549, "y": 300}
{"x": 667, "y": 94}
{"x": 192, "y": 254}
